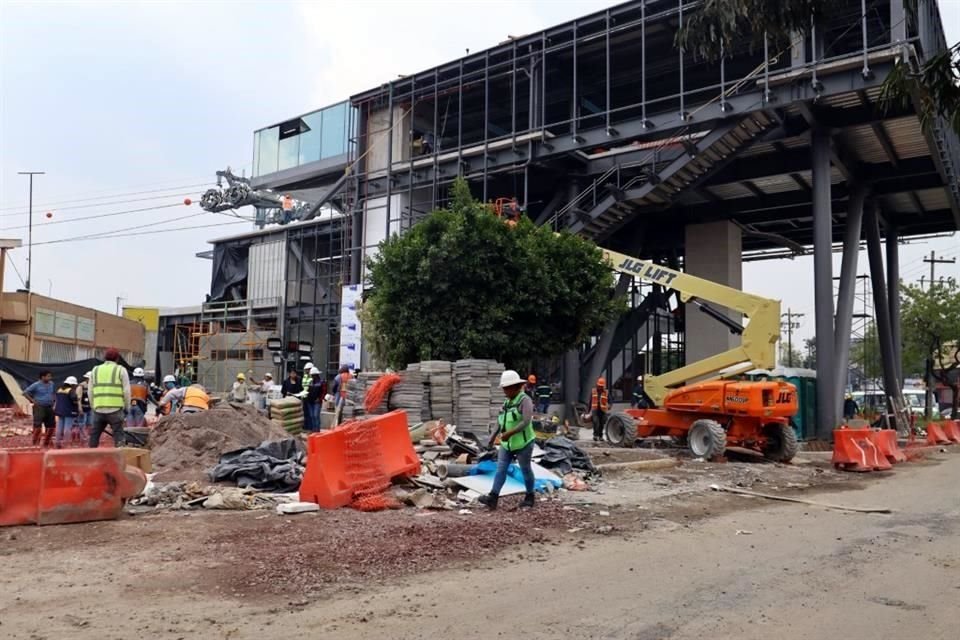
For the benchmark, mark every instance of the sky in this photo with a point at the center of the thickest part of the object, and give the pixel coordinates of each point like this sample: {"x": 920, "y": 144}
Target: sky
{"x": 131, "y": 107}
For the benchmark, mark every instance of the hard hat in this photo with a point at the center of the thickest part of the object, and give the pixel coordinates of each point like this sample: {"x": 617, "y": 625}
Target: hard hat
{"x": 510, "y": 378}
{"x": 314, "y": 371}
{"x": 70, "y": 380}
{"x": 849, "y": 396}
{"x": 268, "y": 375}
{"x": 168, "y": 378}
{"x": 639, "y": 378}
{"x": 532, "y": 379}
{"x": 602, "y": 382}
{"x": 308, "y": 366}
{"x": 138, "y": 373}
{"x": 240, "y": 376}
{"x": 87, "y": 375}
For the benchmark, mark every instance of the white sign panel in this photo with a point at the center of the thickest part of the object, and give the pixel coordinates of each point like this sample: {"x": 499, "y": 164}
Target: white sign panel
{"x": 350, "y": 299}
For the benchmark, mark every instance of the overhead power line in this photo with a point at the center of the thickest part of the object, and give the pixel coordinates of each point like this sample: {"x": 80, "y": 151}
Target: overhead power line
{"x": 111, "y": 235}
{"x": 100, "y": 215}
{"x": 110, "y": 204}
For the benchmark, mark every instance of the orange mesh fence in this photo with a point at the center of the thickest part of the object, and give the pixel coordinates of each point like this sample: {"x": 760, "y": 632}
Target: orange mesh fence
{"x": 378, "y": 392}
{"x": 366, "y": 472}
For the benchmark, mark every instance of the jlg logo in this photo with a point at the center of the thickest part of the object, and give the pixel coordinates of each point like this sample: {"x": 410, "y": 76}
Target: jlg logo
{"x": 784, "y": 397}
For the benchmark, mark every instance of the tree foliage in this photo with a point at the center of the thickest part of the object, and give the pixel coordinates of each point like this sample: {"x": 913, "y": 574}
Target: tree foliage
{"x": 931, "y": 329}
{"x": 865, "y": 354}
{"x": 787, "y": 357}
{"x": 463, "y": 284}
{"x": 718, "y": 25}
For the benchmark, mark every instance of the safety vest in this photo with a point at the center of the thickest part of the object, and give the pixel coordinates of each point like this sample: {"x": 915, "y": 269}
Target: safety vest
{"x": 197, "y": 398}
{"x": 510, "y": 416}
{"x": 344, "y": 381}
{"x": 139, "y": 391}
{"x": 106, "y": 390}
{"x": 599, "y": 400}
{"x": 306, "y": 380}
{"x": 544, "y": 392}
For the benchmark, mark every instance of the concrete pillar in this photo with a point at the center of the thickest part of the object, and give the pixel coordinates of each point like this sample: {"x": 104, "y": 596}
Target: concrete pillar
{"x": 713, "y": 251}
{"x": 845, "y": 297}
{"x": 823, "y": 284}
{"x": 571, "y": 383}
{"x": 893, "y": 300}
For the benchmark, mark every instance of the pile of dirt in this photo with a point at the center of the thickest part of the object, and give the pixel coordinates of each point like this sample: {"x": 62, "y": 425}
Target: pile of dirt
{"x": 185, "y": 445}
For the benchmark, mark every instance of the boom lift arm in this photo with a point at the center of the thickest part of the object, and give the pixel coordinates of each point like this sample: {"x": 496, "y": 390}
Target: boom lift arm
{"x": 757, "y": 347}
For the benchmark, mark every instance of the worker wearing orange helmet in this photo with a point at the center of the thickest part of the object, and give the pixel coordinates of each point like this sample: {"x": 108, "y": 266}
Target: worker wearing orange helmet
{"x": 599, "y": 405}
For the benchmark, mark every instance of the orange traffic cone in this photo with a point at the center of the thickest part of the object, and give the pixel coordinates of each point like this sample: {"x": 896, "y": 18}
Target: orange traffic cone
{"x": 935, "y": 434}
{"x": 854, "y": 451}
{"x": 886, "y": 442}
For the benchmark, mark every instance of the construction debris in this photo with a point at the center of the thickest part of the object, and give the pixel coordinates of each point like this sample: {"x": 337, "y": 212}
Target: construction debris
{"x": 813, "y": 503}
{"x": 272, "y": 466}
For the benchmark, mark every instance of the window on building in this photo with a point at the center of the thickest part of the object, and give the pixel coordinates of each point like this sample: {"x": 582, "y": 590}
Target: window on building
{"x": 310, "y": 140}
{"x": 334, "y": 140}
{"x": 269, "y": 147}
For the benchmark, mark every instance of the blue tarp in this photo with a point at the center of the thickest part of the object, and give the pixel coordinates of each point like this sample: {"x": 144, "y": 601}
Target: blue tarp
{"x": 543, "y": 477}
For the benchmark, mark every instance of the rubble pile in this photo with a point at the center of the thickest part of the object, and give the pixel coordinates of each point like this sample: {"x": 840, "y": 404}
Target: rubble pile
{"x": 194, "y": 495}
{"x": 186, "y": 445}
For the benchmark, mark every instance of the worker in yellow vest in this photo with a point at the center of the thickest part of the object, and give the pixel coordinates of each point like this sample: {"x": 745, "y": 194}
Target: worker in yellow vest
{"x": 599, "y": 405}
{"x": 109, "y": 398}
{"x": 192, "y": 399}
{"x": 515, "y": 430}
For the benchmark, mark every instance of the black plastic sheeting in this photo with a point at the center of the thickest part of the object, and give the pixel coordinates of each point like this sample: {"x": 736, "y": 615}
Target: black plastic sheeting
{"x": 229, "y": 271}
{"x": 26, "y": 373}
{"x": 273, "y": 466}
{"x": 563, "y": 455}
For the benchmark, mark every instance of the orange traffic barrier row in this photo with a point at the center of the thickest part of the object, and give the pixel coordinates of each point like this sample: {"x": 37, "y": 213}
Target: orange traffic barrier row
{"x": 348, "y": 464}
{"x": 886, "y": 442}
{"x": 935, "y": 434}
{"x": 70, "y": 485}
{"x": 854, "y": 450}
{"x": 951, "y": 429}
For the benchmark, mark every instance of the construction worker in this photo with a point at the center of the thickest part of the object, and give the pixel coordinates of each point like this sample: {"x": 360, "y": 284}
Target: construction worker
{"x": 67, "y": 408}
{"x": 530, "y": 388}
{"x": 599, "y": 405}
{"x": 515, "y": 430}
{"x": 192, "y": 399}
{"x": 640, "y": 400}
{"x": 85, "y": 421}
{"x": 306, "y": 380}
{"x": 169, "y": 384}
{"x": 41, "y": 395}
{"x": 544, "y": 391}
{"x": 340, "y": 389}
{"x": 850, "y": 408}
{"x": 139, "y": 394}
{"x": 109, "y": 398}
{"x": 291, "y": 386}
{"x": 266, "y": 386}
{"x": 239, "y": 393}
{"x": 315, "y": 394}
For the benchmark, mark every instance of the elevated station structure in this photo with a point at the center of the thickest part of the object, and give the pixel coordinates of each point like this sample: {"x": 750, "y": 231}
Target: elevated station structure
{"x": 601, "y": 126}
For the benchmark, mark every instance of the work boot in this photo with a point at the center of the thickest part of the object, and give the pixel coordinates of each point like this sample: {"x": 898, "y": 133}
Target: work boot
{"x": 36, "y": 436}
{"x": 489, "y": 501}
{"x": 528, "y": 501}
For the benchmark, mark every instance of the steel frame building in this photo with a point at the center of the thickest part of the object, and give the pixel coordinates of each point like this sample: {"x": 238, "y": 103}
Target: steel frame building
{"x": 601, "y": 126}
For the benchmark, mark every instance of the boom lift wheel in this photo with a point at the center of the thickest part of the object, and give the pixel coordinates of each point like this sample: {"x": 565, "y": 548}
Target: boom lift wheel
{"x": 621, "y": 430}
{"x": 781, "y": 442}
{"x": 707, "y": 439}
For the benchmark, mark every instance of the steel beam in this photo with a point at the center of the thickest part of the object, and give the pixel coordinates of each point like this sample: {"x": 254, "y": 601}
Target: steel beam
{"x": 602, "y": 353}
{"x": 823, "y": 284}
{"x": 845, "y": 297}
{"x": 893, "y": 298}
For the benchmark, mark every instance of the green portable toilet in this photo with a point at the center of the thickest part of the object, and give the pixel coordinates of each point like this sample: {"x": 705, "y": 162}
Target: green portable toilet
{"x": 805, "y": 380}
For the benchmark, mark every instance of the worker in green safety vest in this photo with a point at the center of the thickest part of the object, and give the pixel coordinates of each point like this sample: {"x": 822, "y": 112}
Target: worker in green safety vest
{"x": 109, "y": 398}
{"x": 515, "y": 430}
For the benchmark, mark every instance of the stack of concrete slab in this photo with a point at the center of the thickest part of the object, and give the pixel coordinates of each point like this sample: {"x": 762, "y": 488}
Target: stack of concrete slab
{"x": 438, "y": 375}
{"x": 363, "y": 382}
{"x": 477, "y": 395}
{"x": 411, "y": 395}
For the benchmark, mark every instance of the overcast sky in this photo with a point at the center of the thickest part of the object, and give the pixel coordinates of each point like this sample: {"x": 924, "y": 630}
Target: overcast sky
{"x": 130, "y": 105}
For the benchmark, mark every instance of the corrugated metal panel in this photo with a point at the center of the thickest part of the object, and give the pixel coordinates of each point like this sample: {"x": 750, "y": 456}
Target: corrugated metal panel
{"x": 863, "y": 143}
{"x": 907, "y": 137}
{"x": 934, "y": 199}
{"x": 757, "y": 149}
{"x": 265, "y": 277}
{"x": 900, "y": 202}
{"x": 845, "y": 100}
{"x": 730, "y": 191}
{"x": 776, "y": 184}
{"x": 53, "y": 352}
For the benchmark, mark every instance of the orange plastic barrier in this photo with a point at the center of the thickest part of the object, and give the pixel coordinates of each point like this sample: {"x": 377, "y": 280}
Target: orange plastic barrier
{"x": 854, "y": 451}
{"x": 885, "y": 440}
{"x": 331, "y": 479}
{"x": 951, "y": 429}
{"x": 935, "y": 434}
{"x": 58, "y": 487}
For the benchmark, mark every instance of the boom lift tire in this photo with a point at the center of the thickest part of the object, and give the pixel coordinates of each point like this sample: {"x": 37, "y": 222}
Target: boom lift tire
{"x": 781, "y": 442}
{"x": 707, "y": 439}
{"x": 621, "y": 430}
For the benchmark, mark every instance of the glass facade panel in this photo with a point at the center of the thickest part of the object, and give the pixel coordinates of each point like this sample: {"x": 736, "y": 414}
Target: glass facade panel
{"x": 334, "y": 141}
{"x": 289, "y": 153}
{"x": 269, "y": 146}
{"x": 310, "y": 140}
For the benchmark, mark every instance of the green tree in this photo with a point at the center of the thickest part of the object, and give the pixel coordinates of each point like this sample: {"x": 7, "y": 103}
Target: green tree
{"x": 810, "y": 357}
{"x": 718, "y": 25}
{"x": 931, "y": 329}
{"x": 786, "y": 358}
{"x": 462, "y": 284}
{"x": 865, "y": 353}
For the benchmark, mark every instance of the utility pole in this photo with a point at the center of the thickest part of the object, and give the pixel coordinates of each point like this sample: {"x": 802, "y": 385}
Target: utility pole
{"x": 30, "y": 232}
{"x": 119, "y": 300}
{"x": 933, "y": 261}
{"x": 790, "y": 325}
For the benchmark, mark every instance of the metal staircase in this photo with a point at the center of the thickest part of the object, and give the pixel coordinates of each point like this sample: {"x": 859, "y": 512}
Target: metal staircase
{"x": 617, "y": 195}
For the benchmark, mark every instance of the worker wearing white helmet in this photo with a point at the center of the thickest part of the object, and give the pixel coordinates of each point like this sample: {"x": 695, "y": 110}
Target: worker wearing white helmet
{"x": 169, "y": 384}
{"x": 139, "y": 396}
{"x": 66, "y": 408}
{"x": 315, "y": 393}
{"x": 306, "y": 379}
{"x": 640, "y": 398}
{"x": 515, "y": 430}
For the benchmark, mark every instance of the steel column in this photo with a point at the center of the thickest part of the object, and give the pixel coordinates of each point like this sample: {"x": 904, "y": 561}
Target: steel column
{"x": 571, "y": 383}
{"x": 602, "y": 354}
{"x": 845, "y": 297}
{"x": 881, "y": 305}
{"x": 823, "y": 283}
{"x": 893, "y": 300}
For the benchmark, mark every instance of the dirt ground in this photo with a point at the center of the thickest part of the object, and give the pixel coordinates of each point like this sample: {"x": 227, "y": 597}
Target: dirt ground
{"x": 649, "y": 556}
